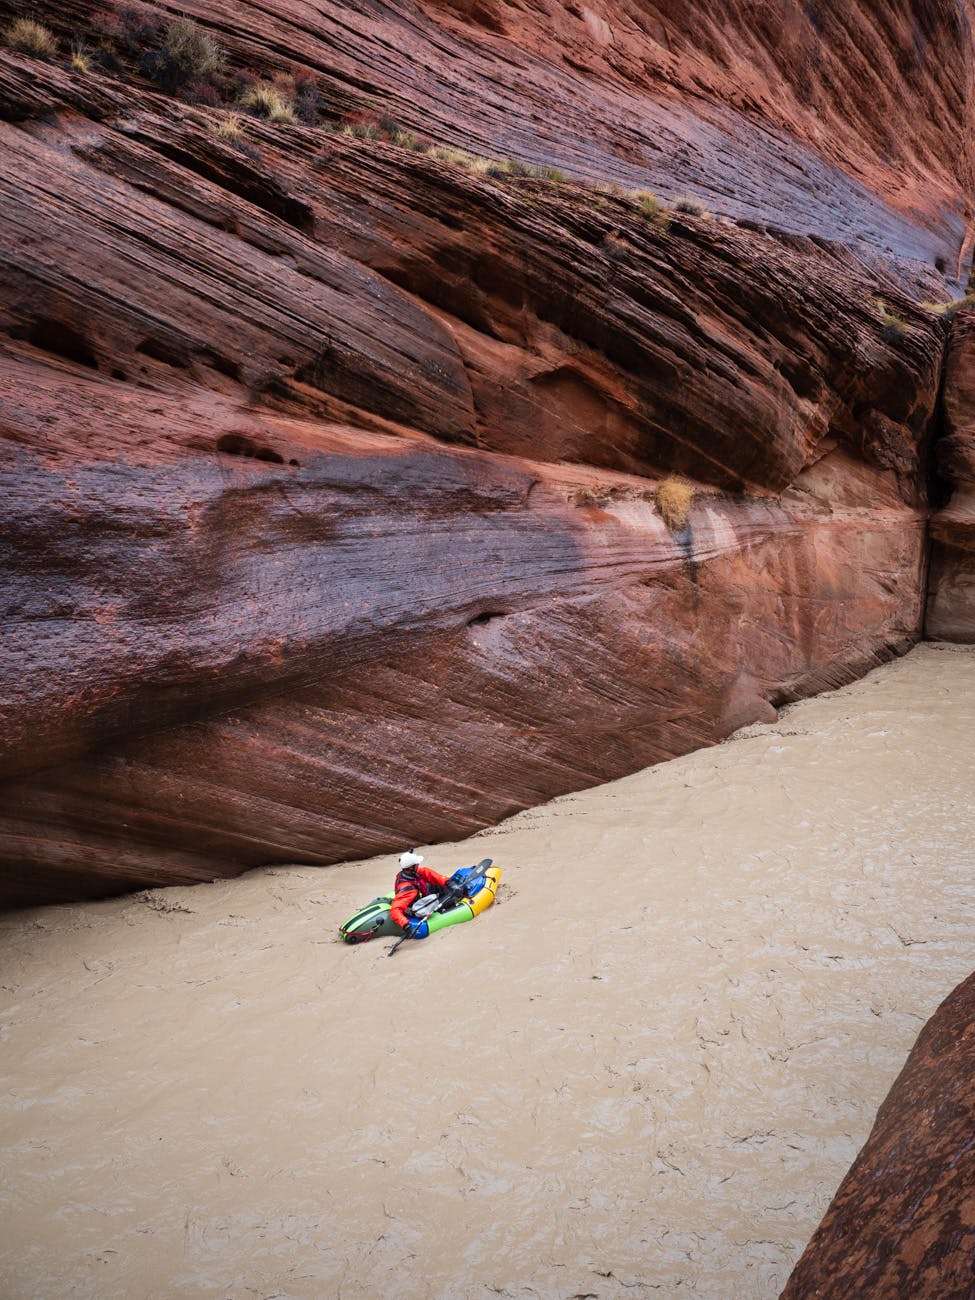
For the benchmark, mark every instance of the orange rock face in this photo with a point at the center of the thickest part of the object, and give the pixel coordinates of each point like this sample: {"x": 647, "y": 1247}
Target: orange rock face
{"x": 330, "y": 465}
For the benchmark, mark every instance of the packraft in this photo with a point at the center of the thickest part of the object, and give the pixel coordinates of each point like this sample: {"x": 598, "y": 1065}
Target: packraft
{"x": 373, "y": 921}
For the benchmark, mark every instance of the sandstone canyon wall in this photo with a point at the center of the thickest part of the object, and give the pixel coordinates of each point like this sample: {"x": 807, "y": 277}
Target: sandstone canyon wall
{"x": 330, "y": 470}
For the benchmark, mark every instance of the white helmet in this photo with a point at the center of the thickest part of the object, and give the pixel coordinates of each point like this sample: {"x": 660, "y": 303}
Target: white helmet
{"x": 410, "y": 859}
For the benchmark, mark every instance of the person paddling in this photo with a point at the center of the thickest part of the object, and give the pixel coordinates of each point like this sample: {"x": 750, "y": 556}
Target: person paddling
{"x": 413, "y": 882}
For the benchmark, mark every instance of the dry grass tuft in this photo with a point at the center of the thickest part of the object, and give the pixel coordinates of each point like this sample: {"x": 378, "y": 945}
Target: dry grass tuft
{"x": 363, "y": 130}
{"x": 28, "y": 37}
{"x": 229, "y": 127}
{"x": 405, "y": 139}
{"x": 691, "y": 207}
{"x": 526, "y": 171}
{"x": 949, "y": 309}
{"x": 673, "y": 497}
{"x": 470, "y": 162}
{"x": 387, "y": 131}
{"x": 892, "y": 325}
{"x": 79, "y": 59}
{"x": 265, "y": 100}
{"x": 651, "y": 207}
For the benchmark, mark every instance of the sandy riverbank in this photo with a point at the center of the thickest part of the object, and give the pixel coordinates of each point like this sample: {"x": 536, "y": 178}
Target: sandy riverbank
{"x": 645, "y": 1070}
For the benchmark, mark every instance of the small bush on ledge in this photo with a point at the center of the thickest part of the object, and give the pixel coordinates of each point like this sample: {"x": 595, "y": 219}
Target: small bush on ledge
{"x": 528, "y": 171}
{"x": 673, "y": 497}
{"x": 267, "y": 101}
{"x": 470, "y": 162}
{"x": 130, "y": 28}
{"x": 183, "y": 59}
{"x": 691, "y": 207}
{"x": 28, "y": 37}
{"x": 230, "y": 129}
{"x": 186, "y": 55}
{"x": 651, "y": 207}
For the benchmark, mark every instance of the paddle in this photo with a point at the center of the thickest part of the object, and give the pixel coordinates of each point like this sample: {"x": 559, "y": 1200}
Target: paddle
{"x": 454, "y": 894}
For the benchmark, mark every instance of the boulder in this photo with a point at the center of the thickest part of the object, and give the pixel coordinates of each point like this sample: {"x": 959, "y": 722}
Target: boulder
{"x": 903, "y": 1220}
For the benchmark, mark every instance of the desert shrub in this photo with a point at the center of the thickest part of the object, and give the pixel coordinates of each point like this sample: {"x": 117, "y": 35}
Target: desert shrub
{"x": 647, "y": 202}
{"x": 107, "y": 59}
{"x": 892, "y": 325}
{"x": 80, "y": 59}
{"x": 406, "y": 140}
{"x": 29, "y": 37}
{"x": 266, "y": 100}
{"x": 187, "y": 54}
{"x": 673, "y": 497}
{"x": 894, "y": 328}
{"x": 362, "y": 126}
{"x": 207, "y": 94}
{"x": 307, "y": 96}
{"x": 691, "y": 207}
{"x": 515, "y": 167}
{"x": 130, "y": 27}
{"x": 366, "y": 126}
{"x": 651, "y": 207}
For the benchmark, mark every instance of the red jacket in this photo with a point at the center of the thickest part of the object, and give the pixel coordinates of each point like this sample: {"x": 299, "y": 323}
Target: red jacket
{"x": 412, "y": 883}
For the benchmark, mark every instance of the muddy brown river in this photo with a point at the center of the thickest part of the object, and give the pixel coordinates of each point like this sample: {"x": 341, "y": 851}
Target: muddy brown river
{"x": 642, "y": 1072}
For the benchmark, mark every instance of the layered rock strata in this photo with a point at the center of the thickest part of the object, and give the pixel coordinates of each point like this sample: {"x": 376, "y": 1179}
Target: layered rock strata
{"x": 330, "y": 482}
{"x": 847, "y": 122}
{"x": 903, "y": 1220}
{"x": 389, "y": 639}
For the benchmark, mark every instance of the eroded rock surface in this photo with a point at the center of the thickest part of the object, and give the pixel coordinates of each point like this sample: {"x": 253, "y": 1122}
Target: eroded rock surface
{"x": 330, "y": 468}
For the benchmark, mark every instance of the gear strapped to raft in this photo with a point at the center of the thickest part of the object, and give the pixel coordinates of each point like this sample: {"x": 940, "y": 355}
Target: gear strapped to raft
{"x": 470, "y": 892}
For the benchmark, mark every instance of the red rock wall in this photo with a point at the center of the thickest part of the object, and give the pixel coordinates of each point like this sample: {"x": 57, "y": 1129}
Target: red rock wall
{"x": 328, "y": 490}
{"x": 842, "y": 79}
{"x": 844, "y": 121}
{"x": 903, "y": 1220}
{"x": 394, "y": 640}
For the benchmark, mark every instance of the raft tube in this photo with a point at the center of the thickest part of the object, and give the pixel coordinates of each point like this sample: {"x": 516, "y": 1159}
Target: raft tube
{"x": 373, "y": 920}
